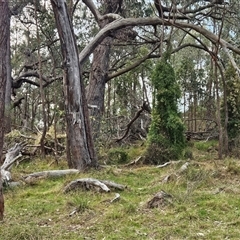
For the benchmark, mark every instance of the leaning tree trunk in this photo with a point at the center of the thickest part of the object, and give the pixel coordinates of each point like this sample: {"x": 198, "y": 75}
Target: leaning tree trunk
{"x": 78, "y": 125}
{"x": 4, "y": 38}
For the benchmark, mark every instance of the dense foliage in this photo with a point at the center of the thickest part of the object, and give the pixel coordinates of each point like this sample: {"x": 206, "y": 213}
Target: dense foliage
{"x": 166, "y": 135}
{"x": 233, "y": 102}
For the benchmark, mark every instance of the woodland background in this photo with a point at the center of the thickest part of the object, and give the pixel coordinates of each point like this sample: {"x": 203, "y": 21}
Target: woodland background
{"x": 86, "y": 82}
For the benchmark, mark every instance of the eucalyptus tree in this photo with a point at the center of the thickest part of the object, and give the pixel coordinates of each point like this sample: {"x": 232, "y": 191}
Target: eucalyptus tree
{"x": 4, "y": 64}
{"x": 25, "y": 59}
{"x": 187, "y": 16}
{"x": 82, "y": 154}
{"x": 100, "y": 65}
{"x": 190, "y": 17}
{"x": 102, "y": 56}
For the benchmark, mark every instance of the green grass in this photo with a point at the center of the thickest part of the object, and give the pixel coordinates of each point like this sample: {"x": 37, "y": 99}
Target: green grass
{"x": 206, "y": 204}
{"x": 205, "y": 145}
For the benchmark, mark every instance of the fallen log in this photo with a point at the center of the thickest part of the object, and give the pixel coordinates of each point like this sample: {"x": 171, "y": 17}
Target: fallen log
{"x": 114, "y": 185}
{"x": 50, "y": 173}
{"x": 95, "y": 184}
{"x": 13, "y": 154}
{"x": 86, "y": 184}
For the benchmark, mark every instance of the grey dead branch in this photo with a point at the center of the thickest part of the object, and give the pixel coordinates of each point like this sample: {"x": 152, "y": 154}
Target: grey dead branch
{"x": 168, "y": 163}
{"x": 134, "y": 162}
{"x": 12, "y": 156}
{"x": 116, "y": 198}
{"x": 174, "y": 175}
{"x": 92, "y": 184}
{"x": 112, "y": 200}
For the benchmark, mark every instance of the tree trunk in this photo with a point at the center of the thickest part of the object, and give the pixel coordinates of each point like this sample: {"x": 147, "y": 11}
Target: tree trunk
{"x": 99, "y": 70}
{"x": 42, "y": 93}
{"x": 8, "y": 89}
{"x": 97, "y": 80}
{"x": 78, "y": 124}
{"x": 218, "y": 114}
{"x": 4, "y": 38}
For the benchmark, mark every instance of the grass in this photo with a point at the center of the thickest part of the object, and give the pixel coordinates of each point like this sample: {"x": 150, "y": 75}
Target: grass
{"x": 205, "y": 204}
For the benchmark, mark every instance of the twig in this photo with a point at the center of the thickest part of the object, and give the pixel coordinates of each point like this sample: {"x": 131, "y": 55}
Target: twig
{"x": 137, "y": 115}
{"x": 163, "y": 165}
{"x": 134, "y": 162}
{"x": 117, "y": 197}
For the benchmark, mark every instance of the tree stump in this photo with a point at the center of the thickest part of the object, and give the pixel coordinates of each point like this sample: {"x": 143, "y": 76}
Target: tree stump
{"x": 161, "y": 199}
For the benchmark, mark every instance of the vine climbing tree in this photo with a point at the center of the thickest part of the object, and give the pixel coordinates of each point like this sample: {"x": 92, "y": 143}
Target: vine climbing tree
{"x": 233, "y": 108}
{"x": 166, "y": 135}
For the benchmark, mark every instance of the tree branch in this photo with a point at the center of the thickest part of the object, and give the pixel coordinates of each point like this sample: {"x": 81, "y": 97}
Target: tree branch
{"x": 121, "y": 23}
{"x": 97, "y": 15}
{"x": 132, "y": 66}
{"x": 143, "y": 107}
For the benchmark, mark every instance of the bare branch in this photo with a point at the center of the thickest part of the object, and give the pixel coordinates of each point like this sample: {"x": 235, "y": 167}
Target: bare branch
{"x": 93, "y": 9}
{"x": 121, "y": 23}
{"x": 132, "y": 66}
{"x": 97, "y": 14}
{"x": 143, "y": 107}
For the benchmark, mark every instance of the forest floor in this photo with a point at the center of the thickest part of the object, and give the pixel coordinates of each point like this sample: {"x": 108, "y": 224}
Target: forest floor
{"x": 204, "y": 204}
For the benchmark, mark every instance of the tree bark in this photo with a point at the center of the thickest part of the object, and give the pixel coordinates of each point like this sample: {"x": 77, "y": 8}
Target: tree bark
{"x": 99, "y": 71}
{"x": 4, "y": 38}
{"x": 78, "y": 124}
{"x": 8, "y": 89}
{"x": 96, "y": 87}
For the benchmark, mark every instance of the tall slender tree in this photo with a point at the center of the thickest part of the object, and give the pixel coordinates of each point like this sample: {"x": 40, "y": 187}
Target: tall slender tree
{"x": 81, "y": 154}
{"x": 4, "y": 41}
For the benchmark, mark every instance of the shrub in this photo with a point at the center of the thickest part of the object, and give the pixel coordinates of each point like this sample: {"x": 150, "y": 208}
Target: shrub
{"x": 166, "y": 140}
{"x": 118, "y": 156}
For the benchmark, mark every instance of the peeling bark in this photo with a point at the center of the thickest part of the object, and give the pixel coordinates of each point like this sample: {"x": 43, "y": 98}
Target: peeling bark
{"x": 82, "y": 154}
